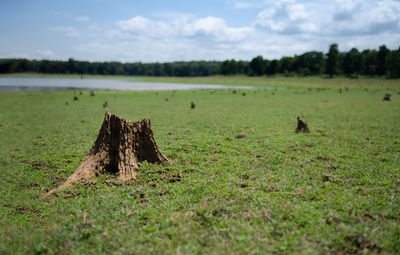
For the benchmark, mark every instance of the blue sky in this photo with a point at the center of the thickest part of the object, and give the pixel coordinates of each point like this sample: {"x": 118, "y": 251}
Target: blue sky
{"x": 175, "y": 30}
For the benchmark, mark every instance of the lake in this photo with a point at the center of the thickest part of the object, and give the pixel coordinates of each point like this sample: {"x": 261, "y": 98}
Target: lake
{"x": 49, "y": 84}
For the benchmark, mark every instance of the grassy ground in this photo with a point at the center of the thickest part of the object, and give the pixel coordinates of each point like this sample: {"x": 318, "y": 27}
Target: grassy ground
{"x": 335, "y": 190}
{"x": 276, "y": 81}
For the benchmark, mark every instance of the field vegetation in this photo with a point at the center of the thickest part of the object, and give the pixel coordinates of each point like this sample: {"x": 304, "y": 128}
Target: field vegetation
{"x": 241, "y": 182}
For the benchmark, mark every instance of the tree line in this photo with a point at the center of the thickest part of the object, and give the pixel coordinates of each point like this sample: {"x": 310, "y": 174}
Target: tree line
{"x": 381, "y": 62}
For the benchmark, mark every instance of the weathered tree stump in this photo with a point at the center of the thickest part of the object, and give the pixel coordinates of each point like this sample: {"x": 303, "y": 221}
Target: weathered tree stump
{"x": 387, "y": 97}
{"x": 302, "y": 126}
{"x": 192, "y": 105}
{"x": 119, "y": 147}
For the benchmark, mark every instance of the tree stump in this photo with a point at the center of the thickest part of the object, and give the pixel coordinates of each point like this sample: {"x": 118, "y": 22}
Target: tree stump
{"x": 302, "y": 126}
{"x": 387, "y": 97}
{"x": 119, "y": 147}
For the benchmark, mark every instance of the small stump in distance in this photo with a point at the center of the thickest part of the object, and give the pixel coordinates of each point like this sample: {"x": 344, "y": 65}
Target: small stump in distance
{"x": 192, "y": 105}
{"x": 119, "y": 148}
{"x": 105, "y": 104}
{"x": 302, "y": 126}
{"x": 75, "y": 98}
{"x": 92, "y": 93}
{"x": 387, "y": 97}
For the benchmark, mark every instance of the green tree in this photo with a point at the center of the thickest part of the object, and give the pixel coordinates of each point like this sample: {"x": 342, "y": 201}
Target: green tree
{"x": 286, "y": 65}
{"x": 383, "y": 53}
{"x": 332, "y": 60}
{"x": 393, "y": 64}
{"x": 352, "y": 63}
{"x": 310, "y": 63}
{"x": 228, "y": 67}
{"x": 257, "y": 66}
{"x": 370, "y": 62}
{"x": 272, "y": 67}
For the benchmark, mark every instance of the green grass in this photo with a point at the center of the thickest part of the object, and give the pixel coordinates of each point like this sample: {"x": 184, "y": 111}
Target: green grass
{"x": 277, "y": 81}
{"x": 335, "y": 190}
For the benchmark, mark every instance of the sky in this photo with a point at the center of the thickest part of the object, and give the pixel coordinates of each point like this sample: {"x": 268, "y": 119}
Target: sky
{"x": 185, "y": 30}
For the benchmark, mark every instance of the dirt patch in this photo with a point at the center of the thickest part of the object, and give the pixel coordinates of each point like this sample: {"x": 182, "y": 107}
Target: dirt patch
{"x": 239, "y": 136}
{"x": 25, "y": 210}
{"x": 326, "y": 178}
{"x": 176, "y": 178}
{"x": 302, "y": 126}
{"x": 359, "y": 244}
{"x": 119, "y": 148}
{"x": 41, "y": 166}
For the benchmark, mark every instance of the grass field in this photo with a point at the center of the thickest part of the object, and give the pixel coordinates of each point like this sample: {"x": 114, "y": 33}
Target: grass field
{"x": 335, "y": 190}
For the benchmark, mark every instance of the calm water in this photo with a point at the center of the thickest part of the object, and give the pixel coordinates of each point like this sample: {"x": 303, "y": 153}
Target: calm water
{"x": 48, "y": 84}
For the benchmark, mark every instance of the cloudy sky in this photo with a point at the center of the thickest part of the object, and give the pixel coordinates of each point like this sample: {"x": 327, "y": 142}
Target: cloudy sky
{"x": 173, "y": 30}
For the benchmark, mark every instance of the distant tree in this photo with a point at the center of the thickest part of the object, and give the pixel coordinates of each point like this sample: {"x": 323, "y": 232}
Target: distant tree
{"x": 383, "y": 53}
{"x": 228, "y": 67}
{"x": 257, "y": 66}
{"x": 158, "y": 69}
{"x": 71, "y": 66}
{"x": 242, "y": 67}
{"x": 332, "y": 60}
{"x": 272, "y": 67}
{"x": 370, "y": 59}
{"x": 286, "y": 65}
{"x": 393, "y": 64}
{"x": 352, "y": 63}
{"x": 310, "y": 63}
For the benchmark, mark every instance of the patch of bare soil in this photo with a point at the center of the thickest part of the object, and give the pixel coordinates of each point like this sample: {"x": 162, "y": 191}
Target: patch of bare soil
{"x": 41, "y": 166}
{"x": 25, "y": 210}
{"x": 241, "y": 135}
{"x": 359, "y": 244}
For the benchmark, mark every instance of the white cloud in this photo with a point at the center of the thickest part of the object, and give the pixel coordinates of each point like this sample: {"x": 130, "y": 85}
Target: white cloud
{"x": 287, "y": 16}
{"x": 366, "y": 17}
{"x": 82, "y": 19}
{"x": 215, "y": 28}
{"x": 68, "y": 31}
{"x": 281, "y": 28}
{"x": 45, "y": 54}
{"x": 244, "y": 5}
{"x": 143, "y": 26}
{"x": 210, "y": 27}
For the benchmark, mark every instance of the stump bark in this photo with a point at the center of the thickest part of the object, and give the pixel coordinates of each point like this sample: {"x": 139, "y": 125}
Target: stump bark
{"x": 302, "y": 126}
{"x": 387, "y": 97}
{"x": 119, "y": 147}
